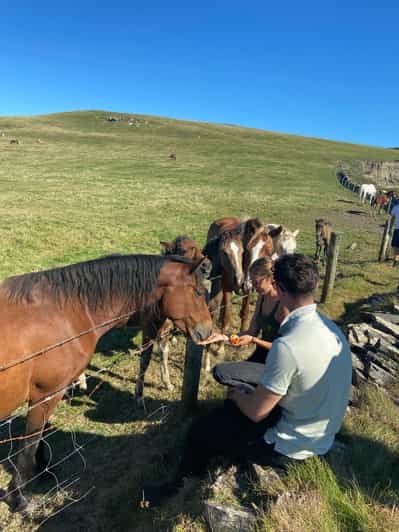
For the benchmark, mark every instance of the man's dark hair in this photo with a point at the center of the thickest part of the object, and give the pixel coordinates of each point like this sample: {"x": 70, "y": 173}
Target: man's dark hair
{"x": 296, "y": 274}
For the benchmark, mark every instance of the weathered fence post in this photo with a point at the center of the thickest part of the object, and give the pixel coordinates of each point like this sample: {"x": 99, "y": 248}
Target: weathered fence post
{"x": 331, "y": 268}
{"x": 192, "y": 372}
{"x": 386, "y": 236}
{"x": 384, "y": 242}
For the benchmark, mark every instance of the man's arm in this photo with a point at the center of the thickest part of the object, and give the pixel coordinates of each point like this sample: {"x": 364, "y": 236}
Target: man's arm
{"x": 257, "y": 405}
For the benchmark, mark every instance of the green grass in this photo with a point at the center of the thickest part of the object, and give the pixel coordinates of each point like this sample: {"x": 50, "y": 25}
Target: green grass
{"x": 93, "y": 187}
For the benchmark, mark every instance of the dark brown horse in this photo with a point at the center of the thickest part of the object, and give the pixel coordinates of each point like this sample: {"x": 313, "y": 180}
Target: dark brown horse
{"x": 43, "y": 309}
{"x": 184, "y": 247}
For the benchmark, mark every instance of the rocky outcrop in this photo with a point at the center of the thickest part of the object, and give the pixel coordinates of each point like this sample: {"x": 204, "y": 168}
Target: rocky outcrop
{"x": 383, "y": 173}
{"x": 375, "y": 349}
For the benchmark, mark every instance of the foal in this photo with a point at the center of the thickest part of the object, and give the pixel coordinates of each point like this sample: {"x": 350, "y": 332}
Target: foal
{"x": 323, "y": 237}
{"x": 152, "y": 328}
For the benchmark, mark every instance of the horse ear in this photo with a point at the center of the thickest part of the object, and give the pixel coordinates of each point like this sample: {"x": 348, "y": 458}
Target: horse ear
{"x": 275, "y": 232}
{"x": 296, "y": 232}
{"x": 168, "y": 246}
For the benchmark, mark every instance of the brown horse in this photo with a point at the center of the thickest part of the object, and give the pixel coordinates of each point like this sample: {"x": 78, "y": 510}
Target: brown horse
{"x": 233, "y": 245}
{"x": 323, "y": 238}
{"x": 80, "y": 303}
{"x": 184, "y": 247}
{"x": 381, "y": 201}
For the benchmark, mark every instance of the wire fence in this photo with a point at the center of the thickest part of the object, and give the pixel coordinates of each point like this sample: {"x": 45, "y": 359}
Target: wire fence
{"x": 62, "y": 487}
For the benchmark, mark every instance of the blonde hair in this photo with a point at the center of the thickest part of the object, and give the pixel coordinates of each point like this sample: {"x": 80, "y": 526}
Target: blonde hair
{"x": 262, "y": 267}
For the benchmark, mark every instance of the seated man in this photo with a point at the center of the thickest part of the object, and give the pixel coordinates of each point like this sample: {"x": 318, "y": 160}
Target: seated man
{"x": 307, "y": 377}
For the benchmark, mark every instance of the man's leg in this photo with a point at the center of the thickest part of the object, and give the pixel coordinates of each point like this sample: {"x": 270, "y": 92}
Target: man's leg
{"x": 225, "y": 432}
{"x": 238, "y": 373}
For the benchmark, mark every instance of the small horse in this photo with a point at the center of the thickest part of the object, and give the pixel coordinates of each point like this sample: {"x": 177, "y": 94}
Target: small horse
{"x": 323, "y": 238}
{"x": 284, "y": 242}
{"x": 51, "y": 322}
{"x": 381, "y": 202}
{"x": 184, "y": 247}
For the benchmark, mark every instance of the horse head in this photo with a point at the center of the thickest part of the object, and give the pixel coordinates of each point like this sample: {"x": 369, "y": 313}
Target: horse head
{"x": 184, "y": 296}
{"x": 230, "y": 252}
{"x": 284, "y": 240}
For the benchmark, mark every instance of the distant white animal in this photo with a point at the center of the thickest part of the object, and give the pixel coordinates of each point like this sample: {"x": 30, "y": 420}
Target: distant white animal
{"x": 284, "y": 243}
{"x": 367, "y": 193}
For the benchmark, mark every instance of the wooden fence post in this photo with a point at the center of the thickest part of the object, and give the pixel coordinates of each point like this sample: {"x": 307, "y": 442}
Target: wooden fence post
{"x": 384, "y": 242}
{"x": 331, "y": 268}
{"x": 386, "y": 237}
{"x": 192, "y": 372}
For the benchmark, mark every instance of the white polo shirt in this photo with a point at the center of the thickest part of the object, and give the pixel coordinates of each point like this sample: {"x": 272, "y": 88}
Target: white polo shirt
{"x": 311, "y": 366}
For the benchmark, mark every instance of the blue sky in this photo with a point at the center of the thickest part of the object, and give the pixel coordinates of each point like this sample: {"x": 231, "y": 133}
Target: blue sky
{"x": 323, "y": 69}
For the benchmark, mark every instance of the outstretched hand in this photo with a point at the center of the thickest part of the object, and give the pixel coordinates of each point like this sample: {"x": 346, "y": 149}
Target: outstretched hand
{"x": 246, "y": 339}
{"x": 214, "y": 338}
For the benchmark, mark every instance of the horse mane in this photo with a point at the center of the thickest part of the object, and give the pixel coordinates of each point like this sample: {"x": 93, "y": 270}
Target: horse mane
{"x": 252, "y": 227}
{"x": 130, "y": 278}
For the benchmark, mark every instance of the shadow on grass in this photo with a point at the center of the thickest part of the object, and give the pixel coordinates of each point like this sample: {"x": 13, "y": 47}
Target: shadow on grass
{"x": 375, "y": 302}
{"x": 109, "y": 469}
{"x": 118, "y": 340}
{"x": 357, "y": 213}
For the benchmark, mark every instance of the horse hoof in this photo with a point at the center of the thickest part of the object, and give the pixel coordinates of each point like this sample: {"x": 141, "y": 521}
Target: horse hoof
{"x": 139, "y": 400}
{"x": 17, "y": 502}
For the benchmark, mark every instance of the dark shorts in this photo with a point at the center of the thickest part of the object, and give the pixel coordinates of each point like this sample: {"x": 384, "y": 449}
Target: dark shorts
{"x": 395, "y": 239}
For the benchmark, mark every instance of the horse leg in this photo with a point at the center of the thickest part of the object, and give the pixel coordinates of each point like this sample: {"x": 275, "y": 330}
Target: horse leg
{"x": 214, "y": 308}
{"x": 163, "y": 348}
{"x": 26, "y": 461}
{"x": 150, "y": 331}
{"x": 145, "y": 359}
{"x": 226, "y": 316}
{"x": 318, "y": 251}
{"x": 82, "y": 382}
{"x": 244, "y": 313}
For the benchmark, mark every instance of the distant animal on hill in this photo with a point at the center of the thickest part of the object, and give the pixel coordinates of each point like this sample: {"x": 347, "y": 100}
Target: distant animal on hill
{"x": 172, "y": 157}
{"x": 284, "y": 242}
{"x": 323, "y": 238}
{"x": 367, "y": 193}
{"x": 14, "y": 141}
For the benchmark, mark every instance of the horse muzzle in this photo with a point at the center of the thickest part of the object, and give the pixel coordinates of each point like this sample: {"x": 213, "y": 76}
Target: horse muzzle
{"x": 201, "y": 332}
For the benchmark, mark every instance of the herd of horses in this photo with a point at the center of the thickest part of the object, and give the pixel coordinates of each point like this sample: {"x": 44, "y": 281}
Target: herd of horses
{"x": 380, "y": 200}
{"x": 52, "y": 320}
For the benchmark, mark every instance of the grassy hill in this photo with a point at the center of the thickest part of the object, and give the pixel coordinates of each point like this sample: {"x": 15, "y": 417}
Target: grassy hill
{"x": 92, "y": 187}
